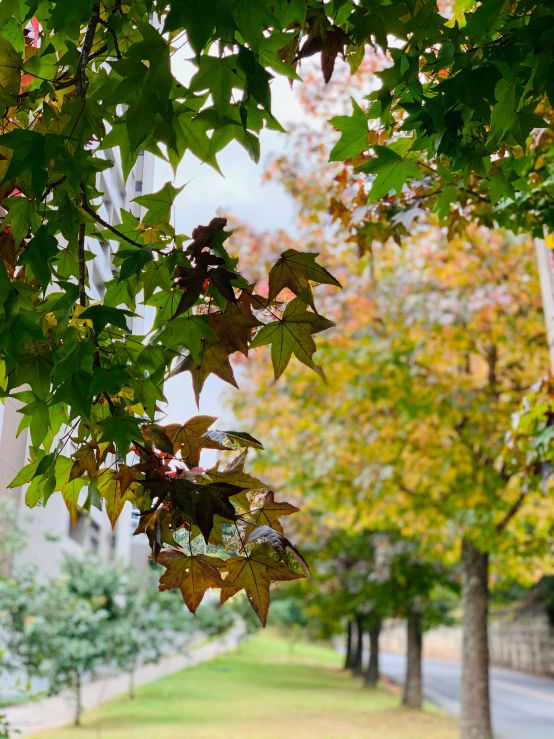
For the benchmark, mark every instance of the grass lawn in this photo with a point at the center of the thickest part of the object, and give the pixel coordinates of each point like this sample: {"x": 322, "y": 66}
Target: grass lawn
{"x": 261, "y": 691}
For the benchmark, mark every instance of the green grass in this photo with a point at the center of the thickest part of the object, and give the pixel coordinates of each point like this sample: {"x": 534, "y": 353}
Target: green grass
{"x": 263, "y": 691}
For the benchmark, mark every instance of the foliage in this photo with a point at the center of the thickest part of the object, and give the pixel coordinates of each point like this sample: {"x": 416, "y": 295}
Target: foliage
{"x": 80, "y": 91}
{"x": 95, "y": 615}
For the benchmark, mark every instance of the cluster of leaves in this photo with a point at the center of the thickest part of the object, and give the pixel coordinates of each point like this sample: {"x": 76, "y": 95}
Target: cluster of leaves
{"x": 80, "y": 90}
{"x": 461, "y": 122}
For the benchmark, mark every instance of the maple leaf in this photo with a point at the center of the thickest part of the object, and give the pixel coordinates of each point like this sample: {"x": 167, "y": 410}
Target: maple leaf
{"x": 211, "y": 500}
{"x": 292, "y": 334}
{"x": 189, "y": 438}
{"x": 254, "y": 573}
{"x": 241, "y": 438}
{"x": 295, "y": 270}
{"x": 126, "y": 476}
{"x": 214, "y": 360}
{"x": 392, "y": 168}
{"x": 157, "y": 527}
{"x": 236, "y": 477}
{"x": 85, "y": 462}
{"x": 192, "y": 575}
{"x": 234, "y": 325}
{"x": 268, "y": 512}
{"x": 279, "y": 543}
{"x": 354, "y": 137}
{"x": 111, "y": 489}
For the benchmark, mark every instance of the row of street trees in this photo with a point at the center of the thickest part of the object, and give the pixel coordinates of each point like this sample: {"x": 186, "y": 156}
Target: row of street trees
{"x": 442, "y": 338}
{"x": 95, "y": 616}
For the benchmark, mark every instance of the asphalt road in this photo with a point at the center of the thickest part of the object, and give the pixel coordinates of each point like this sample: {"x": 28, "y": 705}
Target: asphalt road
{"x": 522, "y": 705}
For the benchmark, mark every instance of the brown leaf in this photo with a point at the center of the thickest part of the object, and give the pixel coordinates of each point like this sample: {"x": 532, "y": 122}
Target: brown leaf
{"x": 126, "y": 476}
{"x": 192, "y": 575}
{"x": 254, "y": 573}
{"x": 234, "y": 325}
{"x": 213, "y": 361}
{"x": 8, "y": 250}
{"x": 267, "y": 513}
{"x": 109, "y": 488}
{"x": 157, "y": 527}
{"x": 334, "y": 42}
{"x": 85, "y": 463}
{"x": 189, "y": 439}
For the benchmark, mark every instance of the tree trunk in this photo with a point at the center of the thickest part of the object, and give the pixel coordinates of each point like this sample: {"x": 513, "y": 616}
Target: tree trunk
{"x": 132, "y": 683}
{"x": 78, "y": 706}
{"x": 348, "y": 656}
{"x": 359, "y": 653}
{"x": 413, "y": 686}
{"x": 372, "y": 675}
{"x": 475, "y": 719}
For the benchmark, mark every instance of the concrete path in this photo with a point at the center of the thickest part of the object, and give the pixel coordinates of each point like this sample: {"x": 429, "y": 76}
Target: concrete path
{"x": 522, "y": 705}
{"x": 51, "y": 713}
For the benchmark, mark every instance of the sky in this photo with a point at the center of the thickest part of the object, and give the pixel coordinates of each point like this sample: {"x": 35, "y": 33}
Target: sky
{"x": 240, "y": 193}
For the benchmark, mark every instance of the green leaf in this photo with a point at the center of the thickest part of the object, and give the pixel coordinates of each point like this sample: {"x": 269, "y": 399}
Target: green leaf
{"x": 109, "y": 379}
{"x": 33, "y": 153}
{"x": 257, "y": 78}
{"x": 159, "y": 204}
{"x": 25, "y": 474}
{"x": 102, "y": 315}
{"x": 198, "y": 18}
{"x": 190, "y": 135}
{"x": 38, "y": 254}
{"x": 219, "y": 76}
{"x": 292, "y": 334}
{"x": 187, "y": 332}
{"x": 22, "y": 215}
{"x": 294, "y": 270}
{"x": 354, "y": 137}
{"x": 392, "y": 171}
{"x": 122, "y": 430}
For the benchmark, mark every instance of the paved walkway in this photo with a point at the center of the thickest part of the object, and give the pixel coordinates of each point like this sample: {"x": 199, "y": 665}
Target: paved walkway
{"x": 51, "y": 713}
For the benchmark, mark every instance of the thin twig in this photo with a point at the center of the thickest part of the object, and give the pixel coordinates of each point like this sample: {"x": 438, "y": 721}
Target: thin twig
{"x": 113, "y": 35}
{"x": 86, "y": 207}
{"x": 81, "y": 76}
{"x": 81, "y": 262}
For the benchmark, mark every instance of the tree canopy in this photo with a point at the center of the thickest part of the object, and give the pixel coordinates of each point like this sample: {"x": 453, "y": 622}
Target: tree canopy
{"x": 458, "y": 117}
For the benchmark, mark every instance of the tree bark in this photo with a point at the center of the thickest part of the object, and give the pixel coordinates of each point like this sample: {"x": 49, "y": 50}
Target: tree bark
{"x": 372, "y": 675}
{"x": 357, "y": 668}
{"x": 413, "y": 685}
{"x": 78, "y": 707}
{"x": 348, "y": 655}
{"x": 132, "y": 683}
{"x": 475, "y": 719}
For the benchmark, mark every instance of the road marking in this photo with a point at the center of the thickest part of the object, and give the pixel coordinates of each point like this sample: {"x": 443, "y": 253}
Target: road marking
{"x": 523, "y": 691}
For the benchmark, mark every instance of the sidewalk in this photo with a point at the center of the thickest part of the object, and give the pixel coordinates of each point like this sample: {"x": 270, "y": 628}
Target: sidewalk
{"x": 51, "y": 713}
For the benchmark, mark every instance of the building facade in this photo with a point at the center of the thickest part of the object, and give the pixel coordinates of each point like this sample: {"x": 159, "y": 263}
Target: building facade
{"x": 51, "y": 533}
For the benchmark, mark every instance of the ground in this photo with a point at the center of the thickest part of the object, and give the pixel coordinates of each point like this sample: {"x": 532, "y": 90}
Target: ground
{"x": 267, "y": 689}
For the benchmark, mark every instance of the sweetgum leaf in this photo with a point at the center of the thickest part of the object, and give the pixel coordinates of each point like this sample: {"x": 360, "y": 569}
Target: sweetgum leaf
{"x": 192, "y": 575}
{"x": 254, "y": 573}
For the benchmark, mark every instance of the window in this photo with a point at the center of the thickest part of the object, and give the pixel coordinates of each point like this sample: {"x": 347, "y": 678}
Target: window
{"x": 77, "y": 529}
{"x": 94, "y": 539}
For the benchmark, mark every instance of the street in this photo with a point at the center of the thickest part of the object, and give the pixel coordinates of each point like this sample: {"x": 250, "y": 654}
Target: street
{"x": 522, "y": 705}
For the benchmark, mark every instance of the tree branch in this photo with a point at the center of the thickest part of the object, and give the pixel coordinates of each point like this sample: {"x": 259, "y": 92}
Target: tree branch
{"x": 86, "y": 207}
{"x": 113, "y": 34}
{"x": 513, "y": 510}
{"x": 81, "y": 76}
{"x": 81, "y": 262}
